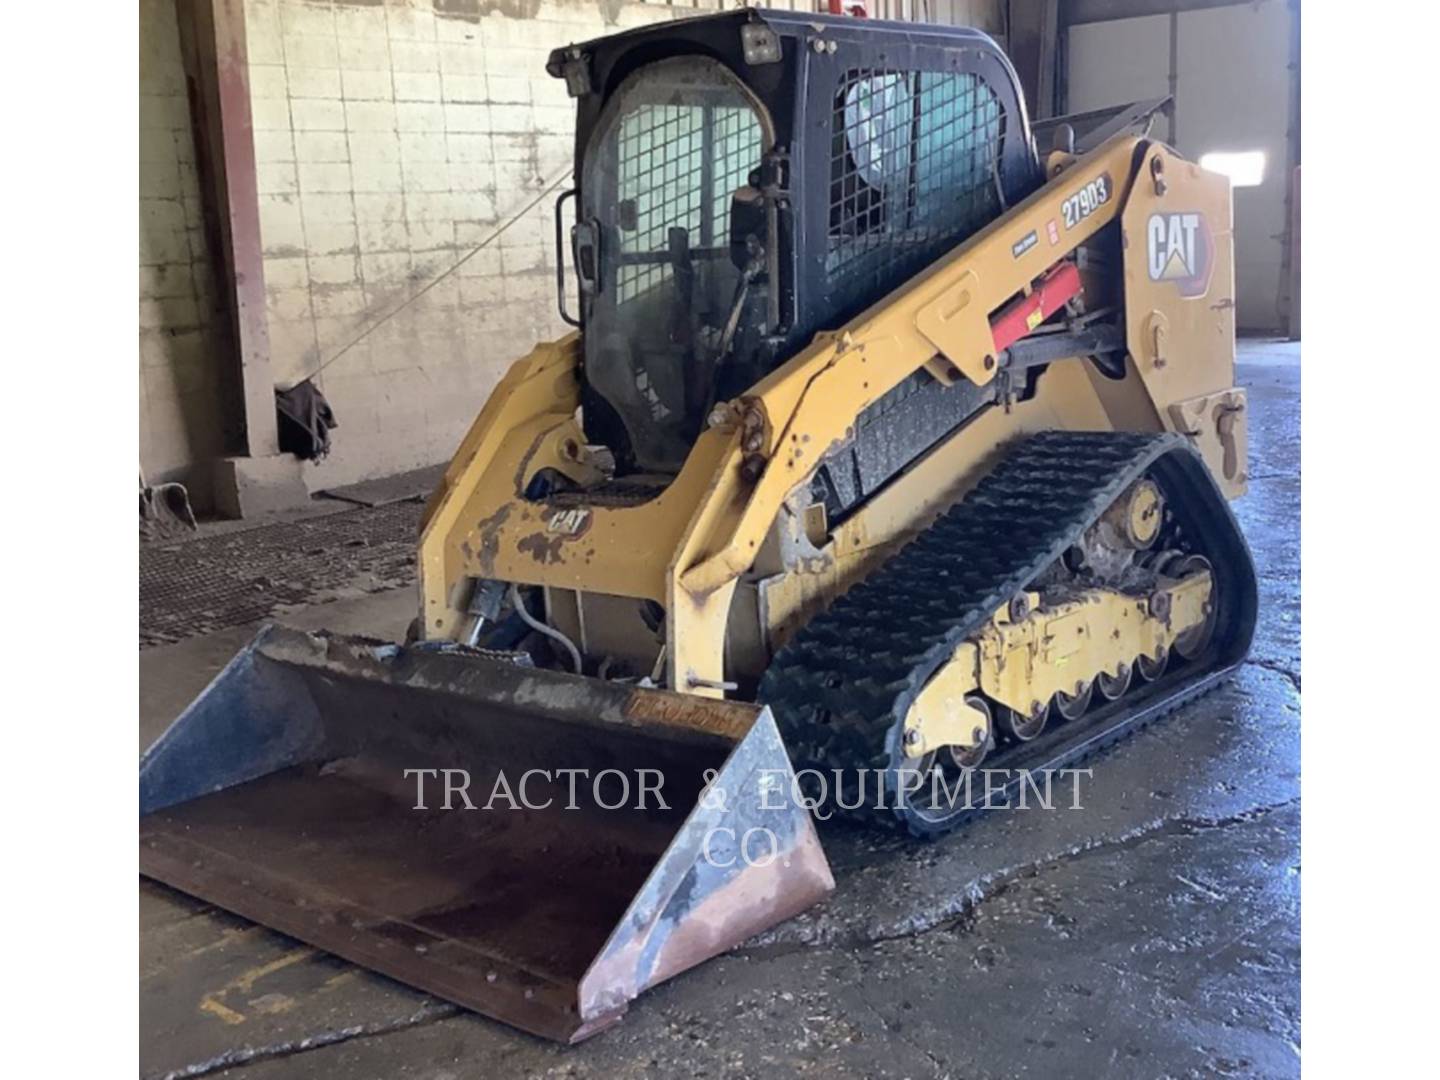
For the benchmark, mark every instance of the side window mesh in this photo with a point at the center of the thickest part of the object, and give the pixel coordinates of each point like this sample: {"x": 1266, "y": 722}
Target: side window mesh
{"x": 737, "y": 153}
{"x": 678, "y": 166}
{"x": 912, "y": 172}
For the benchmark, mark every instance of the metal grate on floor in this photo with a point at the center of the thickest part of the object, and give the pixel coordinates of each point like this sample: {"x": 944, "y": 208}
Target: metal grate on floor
{"x": 209, "y": 583}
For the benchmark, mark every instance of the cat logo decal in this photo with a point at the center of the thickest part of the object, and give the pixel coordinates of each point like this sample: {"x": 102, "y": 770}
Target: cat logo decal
{"x": 568, "y": 522}
{"x": 1179, "y": 249}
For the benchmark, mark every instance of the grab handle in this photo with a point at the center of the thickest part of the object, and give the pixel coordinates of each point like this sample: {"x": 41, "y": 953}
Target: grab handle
{"x": 560, "y": 257}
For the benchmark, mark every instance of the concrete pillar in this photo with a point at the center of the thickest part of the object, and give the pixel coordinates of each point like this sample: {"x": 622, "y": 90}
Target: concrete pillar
{"x": 256, "y": 478}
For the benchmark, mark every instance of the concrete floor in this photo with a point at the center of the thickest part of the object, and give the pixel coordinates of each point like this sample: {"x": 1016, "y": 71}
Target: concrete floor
{"x": 1154, "y": 933}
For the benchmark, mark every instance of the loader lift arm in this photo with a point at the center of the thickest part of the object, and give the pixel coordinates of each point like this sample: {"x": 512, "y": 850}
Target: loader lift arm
{"x": 807, "y": 405}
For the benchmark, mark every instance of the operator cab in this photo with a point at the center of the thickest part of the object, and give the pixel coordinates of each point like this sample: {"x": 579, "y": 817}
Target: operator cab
{"x": 748, "y": 179}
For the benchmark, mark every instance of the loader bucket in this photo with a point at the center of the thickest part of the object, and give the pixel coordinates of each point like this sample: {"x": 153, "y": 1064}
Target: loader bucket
{"x": 281, "y": 794}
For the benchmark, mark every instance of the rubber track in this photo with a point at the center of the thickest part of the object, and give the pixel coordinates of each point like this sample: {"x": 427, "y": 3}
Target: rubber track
{"x": 842, "y": 686}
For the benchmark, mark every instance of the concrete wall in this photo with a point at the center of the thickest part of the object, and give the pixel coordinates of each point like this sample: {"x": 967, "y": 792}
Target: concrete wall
{"x": 1232, "y": 93}
{"x": 181, "y": 333}
{"x": 392, "y": 137}
{"x": 1114, "y": 63}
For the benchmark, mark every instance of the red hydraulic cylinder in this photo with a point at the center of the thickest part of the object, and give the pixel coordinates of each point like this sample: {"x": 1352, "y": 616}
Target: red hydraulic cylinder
{"x": 1021, "y": 316}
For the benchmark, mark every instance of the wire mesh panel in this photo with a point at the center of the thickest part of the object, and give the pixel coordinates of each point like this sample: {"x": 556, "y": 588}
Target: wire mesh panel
{"x": 679, "y": 165}
{"x": 659, "y": 188}
{"x": 913, "y": 169}
{"x": 677, "y": 142}
{"x": 736, "y": 134}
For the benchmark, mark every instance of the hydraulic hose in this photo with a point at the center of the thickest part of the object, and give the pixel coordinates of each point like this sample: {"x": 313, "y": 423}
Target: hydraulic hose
{"x": 541, "y": 628}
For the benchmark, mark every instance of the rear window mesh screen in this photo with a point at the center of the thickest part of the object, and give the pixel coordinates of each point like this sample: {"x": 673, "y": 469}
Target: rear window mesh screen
{"x": 912, "y": 172}
{"x": 678, "y": 167}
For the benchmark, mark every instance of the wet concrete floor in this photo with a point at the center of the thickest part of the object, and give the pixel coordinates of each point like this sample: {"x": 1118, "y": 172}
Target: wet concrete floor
{"x": 1153, "y": 933}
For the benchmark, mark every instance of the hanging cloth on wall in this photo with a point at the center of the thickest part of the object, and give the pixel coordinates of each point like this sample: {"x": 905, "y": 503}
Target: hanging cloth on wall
{"x": 305, "y": 421}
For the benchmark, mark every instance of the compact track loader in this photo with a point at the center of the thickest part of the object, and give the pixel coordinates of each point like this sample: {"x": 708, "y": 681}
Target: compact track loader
{"x": 888, "y": 449}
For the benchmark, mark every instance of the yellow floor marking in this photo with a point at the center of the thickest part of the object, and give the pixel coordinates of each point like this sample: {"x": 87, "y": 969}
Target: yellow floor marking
{"x": 270, "y": 1004}
{"x": 244, "y": 982}
{"x": 247, "y": 981}
{"x": 214, "y": 1008}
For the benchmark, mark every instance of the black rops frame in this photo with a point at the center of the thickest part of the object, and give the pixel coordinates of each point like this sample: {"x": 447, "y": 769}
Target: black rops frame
{"x": 815, "y": 52}
{"x": 901, "y": 48}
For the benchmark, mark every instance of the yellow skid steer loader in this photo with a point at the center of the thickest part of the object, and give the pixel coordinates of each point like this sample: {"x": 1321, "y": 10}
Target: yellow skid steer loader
{"x": 887, "y": 449}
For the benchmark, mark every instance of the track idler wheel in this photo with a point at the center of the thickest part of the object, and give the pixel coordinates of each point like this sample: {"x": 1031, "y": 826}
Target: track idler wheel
{"x": 959, "y": 759}
{"x": 1021, "y": 727}
{"x": 963, "y": 758}
{"x": 1073, "y": 706}
{"x": 953, "y": 762}
{"x": 1150, "y": 668}
{"x": 1136, "y": 516}
{"x": 1112, "y": 686}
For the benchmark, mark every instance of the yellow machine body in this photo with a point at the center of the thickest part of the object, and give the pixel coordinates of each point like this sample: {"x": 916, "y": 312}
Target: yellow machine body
{"x": 731, "y": 548}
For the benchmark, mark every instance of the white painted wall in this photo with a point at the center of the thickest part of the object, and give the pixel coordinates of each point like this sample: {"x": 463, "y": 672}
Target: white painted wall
{"x": 391, "y": 137}
{"x": 1114, "y": 63}
{"x": 1232, "y": 93}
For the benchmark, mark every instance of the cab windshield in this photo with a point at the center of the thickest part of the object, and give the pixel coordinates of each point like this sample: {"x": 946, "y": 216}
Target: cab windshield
{"x": 679, "y": 239}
